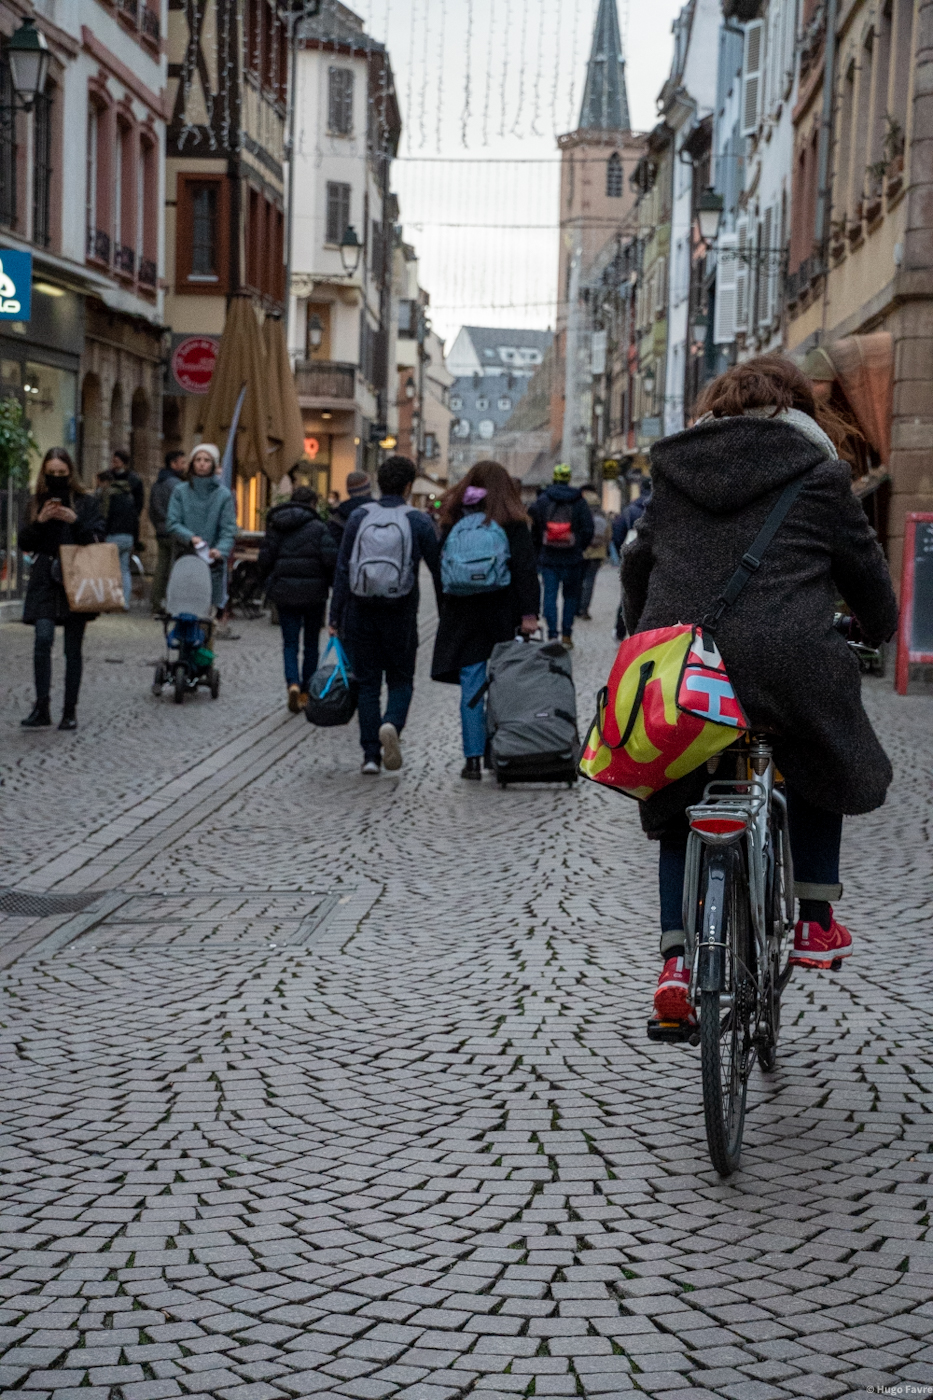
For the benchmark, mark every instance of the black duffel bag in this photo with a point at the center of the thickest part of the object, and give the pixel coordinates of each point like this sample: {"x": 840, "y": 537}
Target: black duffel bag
{"x": 332, "y": 693}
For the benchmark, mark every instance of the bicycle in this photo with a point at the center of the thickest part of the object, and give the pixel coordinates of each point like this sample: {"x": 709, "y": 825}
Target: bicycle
{"x": 738, "y": 924}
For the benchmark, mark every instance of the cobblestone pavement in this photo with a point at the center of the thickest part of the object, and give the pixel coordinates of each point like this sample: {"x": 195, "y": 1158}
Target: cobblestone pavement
{"x": 342, "y": 1089}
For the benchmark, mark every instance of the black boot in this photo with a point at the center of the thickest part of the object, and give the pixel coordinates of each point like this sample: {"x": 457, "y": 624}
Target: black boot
{"x": 68, "y": 718}
{"x": 39, "y": 718}
{"x": 473, "y": 768}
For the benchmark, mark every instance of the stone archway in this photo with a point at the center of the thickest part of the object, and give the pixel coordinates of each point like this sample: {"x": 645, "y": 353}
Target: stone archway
{"x": 118, "y": 432}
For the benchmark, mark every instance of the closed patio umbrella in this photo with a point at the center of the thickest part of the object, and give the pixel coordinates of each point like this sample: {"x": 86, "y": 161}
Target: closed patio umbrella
{"x": 286, "y": 428}
{"x": 241, "y": 359}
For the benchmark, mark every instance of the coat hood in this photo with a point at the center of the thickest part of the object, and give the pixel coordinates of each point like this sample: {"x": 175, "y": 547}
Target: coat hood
{"x": 288, "y": 517}
{"x": 559, "y": 492}
{"x": 723, "y": 464}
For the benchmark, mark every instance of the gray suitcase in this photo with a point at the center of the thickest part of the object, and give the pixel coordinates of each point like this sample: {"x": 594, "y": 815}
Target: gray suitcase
{"x": 531, "y": 713}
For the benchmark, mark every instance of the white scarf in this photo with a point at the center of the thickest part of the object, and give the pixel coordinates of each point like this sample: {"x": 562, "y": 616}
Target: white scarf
{"x": 794, "y": 418}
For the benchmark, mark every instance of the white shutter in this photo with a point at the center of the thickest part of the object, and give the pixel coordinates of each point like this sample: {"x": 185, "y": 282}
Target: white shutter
{"x": 789, "y": 46}
{"x": 741, "y": 275}
{"x": 766, "y": 274}
{"x": 598, "y": 353}
{"x": 751, "y": 67}
{"x": 724, "y": 318}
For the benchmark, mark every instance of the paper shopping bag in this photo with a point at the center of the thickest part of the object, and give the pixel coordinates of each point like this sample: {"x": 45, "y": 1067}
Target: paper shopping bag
{"x": 92, "y": 579}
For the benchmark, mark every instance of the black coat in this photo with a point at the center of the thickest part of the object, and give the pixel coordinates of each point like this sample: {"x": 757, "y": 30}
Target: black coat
{"x": 45, "y": 594}
{"x": 581, "y": 523}
{"x": 337, "y": 520}
{"x": 297, "y": 556}
{"x": 713, "y": 487}
{"x": 470, "y": 627}
{"x": 121, "y": 503}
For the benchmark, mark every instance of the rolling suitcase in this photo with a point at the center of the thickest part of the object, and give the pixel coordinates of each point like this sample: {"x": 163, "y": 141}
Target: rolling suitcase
{"x": 531, "y": 713}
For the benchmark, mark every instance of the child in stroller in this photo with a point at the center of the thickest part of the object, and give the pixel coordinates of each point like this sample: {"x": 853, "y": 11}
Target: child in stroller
{"x": 189, "y": 631}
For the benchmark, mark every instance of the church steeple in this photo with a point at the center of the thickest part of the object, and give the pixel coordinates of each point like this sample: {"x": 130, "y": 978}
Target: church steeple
{"x": 605, "y": 101}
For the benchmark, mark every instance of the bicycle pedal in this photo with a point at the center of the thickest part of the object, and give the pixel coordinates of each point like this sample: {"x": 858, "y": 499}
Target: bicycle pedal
{"x": 673, "y": 1032}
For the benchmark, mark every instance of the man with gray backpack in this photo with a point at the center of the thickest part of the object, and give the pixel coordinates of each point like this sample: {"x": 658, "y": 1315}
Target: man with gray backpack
{"x": 374, "y": 607}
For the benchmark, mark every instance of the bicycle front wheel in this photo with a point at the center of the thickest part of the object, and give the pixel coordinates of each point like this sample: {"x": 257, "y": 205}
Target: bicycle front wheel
{"x": 727, "y": 1011}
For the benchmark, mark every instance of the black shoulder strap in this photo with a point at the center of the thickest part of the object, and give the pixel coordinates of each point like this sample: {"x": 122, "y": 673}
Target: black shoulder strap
{"x": 751, "y": 561}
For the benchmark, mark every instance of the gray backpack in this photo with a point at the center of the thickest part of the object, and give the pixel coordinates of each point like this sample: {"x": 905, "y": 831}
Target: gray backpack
{"x": 381, "y": 558}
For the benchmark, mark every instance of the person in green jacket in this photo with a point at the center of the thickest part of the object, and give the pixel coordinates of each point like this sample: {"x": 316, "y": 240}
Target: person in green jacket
{"x": 202, "y": 511}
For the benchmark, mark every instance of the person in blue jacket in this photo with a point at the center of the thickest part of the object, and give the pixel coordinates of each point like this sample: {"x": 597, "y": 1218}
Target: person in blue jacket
{"x": 561, "y": 528}
{"x": 202, "y": 511}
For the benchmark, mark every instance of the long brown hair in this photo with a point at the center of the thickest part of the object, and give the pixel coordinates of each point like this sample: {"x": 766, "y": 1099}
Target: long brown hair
{"x": 57, "y": 454}
{"x": 503, "y": 503}
{"x": 770, "y": 381}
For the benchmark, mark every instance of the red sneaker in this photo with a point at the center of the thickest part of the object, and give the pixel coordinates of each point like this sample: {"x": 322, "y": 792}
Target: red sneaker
{"x": 815, "y": 946}
{"x": 671, "y": 997}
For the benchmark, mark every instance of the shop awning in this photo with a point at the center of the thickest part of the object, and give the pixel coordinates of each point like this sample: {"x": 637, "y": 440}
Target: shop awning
{"x": 863, "y": 366}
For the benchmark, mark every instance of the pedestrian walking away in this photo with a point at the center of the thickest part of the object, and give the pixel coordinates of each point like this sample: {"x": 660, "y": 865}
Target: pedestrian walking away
{"x": 374, "y": 607}
{"x": 61, "y": 512}
{"x": 359, "y": 488}
{"x": 562, "y": 528}
{"x": 297, "y": 557}
{"x": 121, "y": 505}
{"x": 594, "y": 556}
{"x": 174, "y": 471}
{"x": 622, "y": 527}
{"x": 714, "y": 486}
{"x": 202, "y": 516}
{"x": 491, "y": 591}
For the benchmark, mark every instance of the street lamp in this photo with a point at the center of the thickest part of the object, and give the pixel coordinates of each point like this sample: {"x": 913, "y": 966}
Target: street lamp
{"x": 315, "y": 331}
{"x": 699, "y": 328}
{"x": 409, "y": 388}
{"x": 709, "y": 214}
{"x": 648, "y": 382}
{"x": 28, "y": 55}
{"x": 350, "y": 250}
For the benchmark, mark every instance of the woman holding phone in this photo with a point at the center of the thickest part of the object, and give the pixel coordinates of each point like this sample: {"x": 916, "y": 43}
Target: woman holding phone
{"x": 61, "y": 512}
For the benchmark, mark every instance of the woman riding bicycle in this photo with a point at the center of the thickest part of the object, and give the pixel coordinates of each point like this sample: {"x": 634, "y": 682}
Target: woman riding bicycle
{"x": 714, "y": 485}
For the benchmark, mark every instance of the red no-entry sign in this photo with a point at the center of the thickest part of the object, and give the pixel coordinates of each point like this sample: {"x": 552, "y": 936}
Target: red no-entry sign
{"x": 192, "y": 363}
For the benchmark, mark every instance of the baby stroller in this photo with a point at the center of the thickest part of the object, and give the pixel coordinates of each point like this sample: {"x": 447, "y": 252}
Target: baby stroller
{"x": 189, "y": 631}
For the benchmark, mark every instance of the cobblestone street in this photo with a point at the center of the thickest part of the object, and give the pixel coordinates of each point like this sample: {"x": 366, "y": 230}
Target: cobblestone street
{"x": 342, "y": 1086}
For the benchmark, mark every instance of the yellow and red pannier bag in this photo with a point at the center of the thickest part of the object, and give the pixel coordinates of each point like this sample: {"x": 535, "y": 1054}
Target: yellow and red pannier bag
{"x": 668, "y": 707}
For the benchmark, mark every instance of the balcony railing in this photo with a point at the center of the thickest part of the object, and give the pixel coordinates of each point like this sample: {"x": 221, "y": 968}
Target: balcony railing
{"x": 124, "y": 260}
{"x": 324, "y": 379}
{"x": 98, "y": 245}
{"x": 148, "y": 272}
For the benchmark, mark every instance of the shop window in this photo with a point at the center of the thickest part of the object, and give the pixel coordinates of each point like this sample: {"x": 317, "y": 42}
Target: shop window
{"x": 338, "y": 211}
{"x": 201, "y": 246}
{"x": 50, "y": 397}
{"x": 7, "y": 152}
{"x": 340, "y": 101}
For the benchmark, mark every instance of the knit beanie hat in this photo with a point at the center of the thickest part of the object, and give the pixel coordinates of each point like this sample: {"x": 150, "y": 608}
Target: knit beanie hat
{"x": 212, "y": 452}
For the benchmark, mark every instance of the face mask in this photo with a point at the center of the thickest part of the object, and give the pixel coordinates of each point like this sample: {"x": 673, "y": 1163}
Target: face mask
{"x": 58, "y": 488}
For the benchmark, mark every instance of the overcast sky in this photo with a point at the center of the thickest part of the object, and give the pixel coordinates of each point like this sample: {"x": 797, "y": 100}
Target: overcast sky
{"x": 485, "y": 87}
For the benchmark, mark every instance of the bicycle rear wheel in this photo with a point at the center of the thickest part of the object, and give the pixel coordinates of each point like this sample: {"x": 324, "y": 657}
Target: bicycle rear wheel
{"x": 727, "y": 1006}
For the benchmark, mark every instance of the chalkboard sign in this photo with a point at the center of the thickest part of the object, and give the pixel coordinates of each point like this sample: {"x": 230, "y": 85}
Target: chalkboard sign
{"x": 915, "y": 635}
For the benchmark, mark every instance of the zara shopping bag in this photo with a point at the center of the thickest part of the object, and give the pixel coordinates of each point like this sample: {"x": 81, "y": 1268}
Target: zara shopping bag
{"x": 91, "y": 577}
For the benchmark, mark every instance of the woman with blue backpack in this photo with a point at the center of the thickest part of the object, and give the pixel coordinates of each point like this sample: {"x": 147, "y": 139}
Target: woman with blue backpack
{"x": 490, "y": 588}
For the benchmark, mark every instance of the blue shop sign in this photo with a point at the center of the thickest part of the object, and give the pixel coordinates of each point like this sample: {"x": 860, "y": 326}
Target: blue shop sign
{"x": 15, "y": 285}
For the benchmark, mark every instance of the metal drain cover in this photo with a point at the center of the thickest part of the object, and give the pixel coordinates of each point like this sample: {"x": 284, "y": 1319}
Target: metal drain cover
{"x": 24, "y": 905}
{"x": 216, "y": 919}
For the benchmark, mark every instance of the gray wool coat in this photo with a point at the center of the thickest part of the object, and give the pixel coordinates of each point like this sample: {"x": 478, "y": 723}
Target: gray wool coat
{"x": 713, "y": 488}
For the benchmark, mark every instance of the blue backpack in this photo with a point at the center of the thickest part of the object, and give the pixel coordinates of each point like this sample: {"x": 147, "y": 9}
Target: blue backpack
{"x": 475, "y": 557}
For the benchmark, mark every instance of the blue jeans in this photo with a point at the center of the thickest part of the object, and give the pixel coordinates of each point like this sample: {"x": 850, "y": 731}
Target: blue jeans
{"x": 472, "y": 722}
{"x": 292, "y": 621}
{"x": 568, "y": 577}
{"x": 382, "y": 640}
{"x": 591, "y": 568}
{"x": 124, "y": 544}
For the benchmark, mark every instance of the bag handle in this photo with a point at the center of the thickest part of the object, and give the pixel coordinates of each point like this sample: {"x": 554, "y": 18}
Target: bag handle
{"x": 751, "y": 561}
{"x": 333, "y": 645}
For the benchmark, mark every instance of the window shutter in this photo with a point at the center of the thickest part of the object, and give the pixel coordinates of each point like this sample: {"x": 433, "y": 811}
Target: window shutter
{"x": 751, "y": 92}
{"x": 741, "y": 276}
{"x": 724, "y": 319}
{"x": 766, "y": 273}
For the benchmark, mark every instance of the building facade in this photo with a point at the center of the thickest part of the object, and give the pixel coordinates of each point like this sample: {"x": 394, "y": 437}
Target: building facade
{"x": 423, "y": 380}
{"x": 490, "y": 371}
{"x": 81, "y": 189}
{"x": 228, "y": 74}
{"x": 341, "y": 319}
